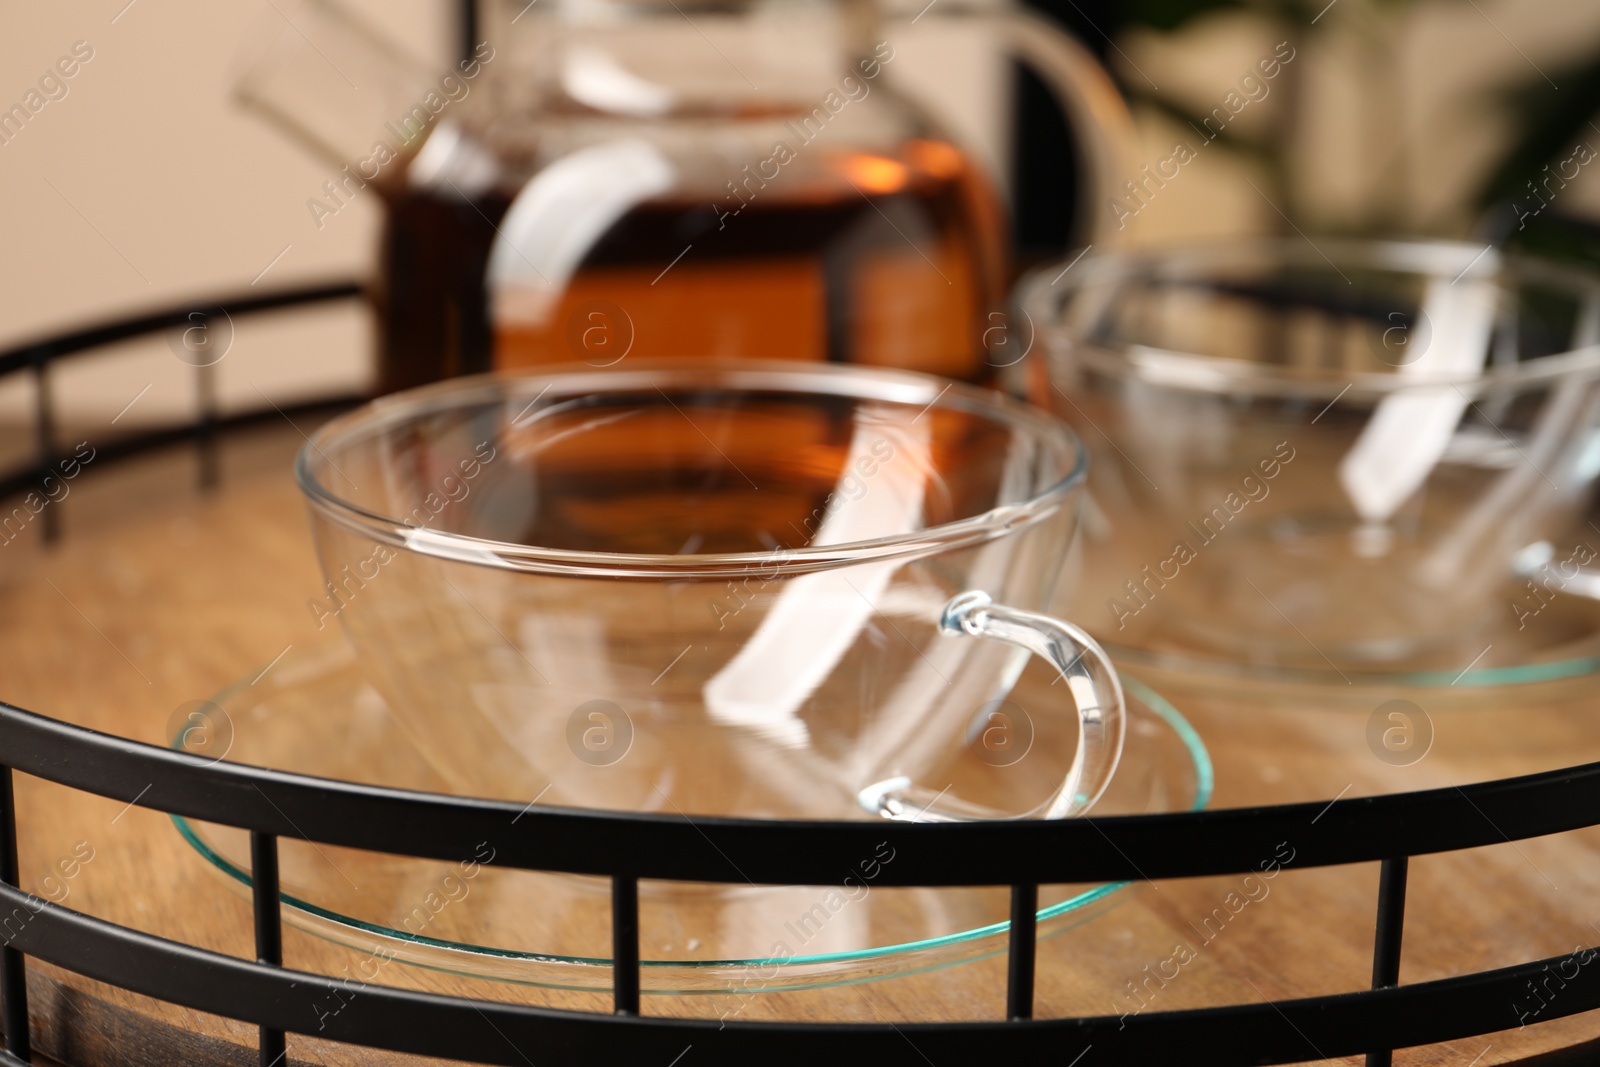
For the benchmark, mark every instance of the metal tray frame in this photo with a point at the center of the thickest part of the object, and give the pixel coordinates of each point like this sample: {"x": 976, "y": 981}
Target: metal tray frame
{"x": 626, "y": 848}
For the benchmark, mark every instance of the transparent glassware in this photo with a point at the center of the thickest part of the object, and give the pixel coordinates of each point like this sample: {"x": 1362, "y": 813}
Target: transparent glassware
{"x": 638, "y": 178}
{"x": 1333, "y": 456}
{"x": 761, "y": 589}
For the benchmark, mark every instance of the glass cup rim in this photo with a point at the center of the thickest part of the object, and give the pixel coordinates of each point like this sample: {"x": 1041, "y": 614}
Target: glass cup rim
{"x": 1042, "y": 286}
{"x": 573, "y": 380}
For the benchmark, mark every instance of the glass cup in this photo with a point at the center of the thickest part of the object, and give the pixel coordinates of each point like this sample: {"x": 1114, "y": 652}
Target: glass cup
{"x": 743, "y": 588}
{"x": 1314, "y": 455}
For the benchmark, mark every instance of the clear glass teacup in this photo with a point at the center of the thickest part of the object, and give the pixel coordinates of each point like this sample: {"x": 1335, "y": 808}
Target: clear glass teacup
{"x": 1340, "y": 454}
{"x": 710, "y": 588}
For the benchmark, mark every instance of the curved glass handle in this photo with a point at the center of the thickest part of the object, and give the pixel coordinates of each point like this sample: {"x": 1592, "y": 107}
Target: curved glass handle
{"x": 1097, "y": 116}
{"x": 1092, "y": 684}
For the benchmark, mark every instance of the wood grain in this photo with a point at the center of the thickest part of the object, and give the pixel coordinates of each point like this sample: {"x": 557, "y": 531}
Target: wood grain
{"x": 160, "y": 595}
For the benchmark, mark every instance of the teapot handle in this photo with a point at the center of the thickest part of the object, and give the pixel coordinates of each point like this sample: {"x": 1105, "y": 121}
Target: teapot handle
{"x": 1097, "y": 116}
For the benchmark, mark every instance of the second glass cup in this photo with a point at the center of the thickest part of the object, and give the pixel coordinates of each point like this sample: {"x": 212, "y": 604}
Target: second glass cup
{"x": 1340, "y": 456}
{"x": 751, "y": 589}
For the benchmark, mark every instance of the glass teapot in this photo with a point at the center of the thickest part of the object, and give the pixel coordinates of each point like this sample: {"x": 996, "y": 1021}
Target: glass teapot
{"x": 601, "y": 179}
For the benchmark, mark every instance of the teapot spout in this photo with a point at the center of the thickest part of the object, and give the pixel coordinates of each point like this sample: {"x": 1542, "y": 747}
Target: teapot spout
{"x": 340, "y": 89}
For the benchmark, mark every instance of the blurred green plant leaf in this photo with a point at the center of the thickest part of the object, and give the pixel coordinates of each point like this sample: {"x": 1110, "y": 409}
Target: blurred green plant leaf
{"x": 1556, "y": 236}
{"x": 1170, "y": 14}
{"x": 1549, "y": 122}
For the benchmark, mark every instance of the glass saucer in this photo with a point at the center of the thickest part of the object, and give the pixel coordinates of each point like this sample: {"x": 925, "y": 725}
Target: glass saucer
{"x": 314, "y": 714}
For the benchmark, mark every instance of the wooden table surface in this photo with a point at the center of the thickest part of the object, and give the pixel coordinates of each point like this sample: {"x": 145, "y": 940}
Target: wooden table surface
{"x": 159, "y": 595}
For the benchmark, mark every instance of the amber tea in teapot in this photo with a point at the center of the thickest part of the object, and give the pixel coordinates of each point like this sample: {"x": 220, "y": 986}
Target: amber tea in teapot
{"x": 639, "y": 178}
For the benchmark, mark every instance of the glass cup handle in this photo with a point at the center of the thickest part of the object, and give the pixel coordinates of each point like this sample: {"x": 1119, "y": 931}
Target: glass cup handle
{"x": 1092, "y": 684}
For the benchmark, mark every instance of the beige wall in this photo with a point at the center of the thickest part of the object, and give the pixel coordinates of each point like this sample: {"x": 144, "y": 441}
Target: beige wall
{"x": 146, "y": 185}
